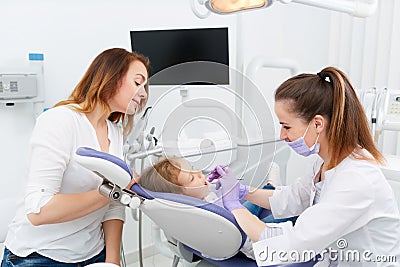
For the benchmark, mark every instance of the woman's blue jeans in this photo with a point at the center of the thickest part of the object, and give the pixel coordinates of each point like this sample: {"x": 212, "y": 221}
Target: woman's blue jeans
{"x": 37, "y": 260}
{"x": 257, "y": 211}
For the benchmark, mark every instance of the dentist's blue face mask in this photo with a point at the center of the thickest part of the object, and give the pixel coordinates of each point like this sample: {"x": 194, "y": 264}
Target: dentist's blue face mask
{"x": 301, "y": 148}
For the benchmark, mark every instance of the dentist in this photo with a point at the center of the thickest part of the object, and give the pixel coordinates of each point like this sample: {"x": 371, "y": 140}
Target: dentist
{"x": 62, "y": 220}
{"x": 344, "y": 203}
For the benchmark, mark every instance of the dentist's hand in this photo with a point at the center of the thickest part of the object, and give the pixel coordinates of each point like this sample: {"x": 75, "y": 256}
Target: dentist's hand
{"x": 214, "y": 174}
{"x": 220, "y": 170}
{"x": 230, "y": 189}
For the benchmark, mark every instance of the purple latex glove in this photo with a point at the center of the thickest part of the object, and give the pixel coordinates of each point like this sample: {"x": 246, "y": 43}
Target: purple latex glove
{"x": 230, "y": 188}
{"x": 215, "y": 174}
{"x": 243, "y": 190}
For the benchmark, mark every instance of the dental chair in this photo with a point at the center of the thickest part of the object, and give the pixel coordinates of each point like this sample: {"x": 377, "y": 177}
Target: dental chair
{"x": 200, "y": 231}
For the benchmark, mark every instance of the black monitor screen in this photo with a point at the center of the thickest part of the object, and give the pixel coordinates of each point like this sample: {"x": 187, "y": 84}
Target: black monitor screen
{"x": 169, "y": 48}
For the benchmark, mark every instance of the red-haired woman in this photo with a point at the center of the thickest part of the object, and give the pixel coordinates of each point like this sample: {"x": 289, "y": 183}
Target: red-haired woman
{"x": 62, "y": 219}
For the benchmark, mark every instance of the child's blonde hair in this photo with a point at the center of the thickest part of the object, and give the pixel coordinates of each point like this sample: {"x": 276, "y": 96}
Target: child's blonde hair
{"x": 162, "y": 176}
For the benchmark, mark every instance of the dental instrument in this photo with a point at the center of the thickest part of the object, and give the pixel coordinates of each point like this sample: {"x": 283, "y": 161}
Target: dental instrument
{"x": 213, "y": 174}
{"x": 134, "y": 141}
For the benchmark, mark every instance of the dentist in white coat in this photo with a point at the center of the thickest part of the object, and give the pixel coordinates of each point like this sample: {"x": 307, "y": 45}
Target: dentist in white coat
{"x": 347, "y": 210}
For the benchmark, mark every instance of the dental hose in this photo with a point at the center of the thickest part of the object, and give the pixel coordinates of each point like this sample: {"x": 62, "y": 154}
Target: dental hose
{"x": 140, "y": 240}
{"x": 140, "y": 226}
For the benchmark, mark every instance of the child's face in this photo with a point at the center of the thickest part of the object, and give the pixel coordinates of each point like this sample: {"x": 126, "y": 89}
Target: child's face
{"x": 193, "y": 181}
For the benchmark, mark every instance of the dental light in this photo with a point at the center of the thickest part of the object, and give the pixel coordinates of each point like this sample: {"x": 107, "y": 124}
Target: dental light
{"x": 230, "y": 6}
{"x": 356, "y": 8}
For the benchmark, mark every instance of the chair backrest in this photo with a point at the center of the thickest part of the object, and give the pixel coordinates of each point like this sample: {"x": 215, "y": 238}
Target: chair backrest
{"x": 205, "y": 227}
{"x": 106, "y": 165}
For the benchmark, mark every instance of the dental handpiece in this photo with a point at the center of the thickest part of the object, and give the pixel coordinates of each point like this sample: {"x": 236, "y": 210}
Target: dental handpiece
{"x": 214, "y": 175}
{"x": 214, "y": 171}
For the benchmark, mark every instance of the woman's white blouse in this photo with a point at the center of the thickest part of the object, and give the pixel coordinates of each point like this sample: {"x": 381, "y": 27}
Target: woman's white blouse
{"x": 52, "y": 169}
{"x": 356, "y": 209}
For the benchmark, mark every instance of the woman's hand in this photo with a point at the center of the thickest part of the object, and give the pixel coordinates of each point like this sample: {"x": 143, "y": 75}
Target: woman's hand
{"x": 218, "y": 171}
{"x": 230, "y": 189}
{"x": 214, "y": 173}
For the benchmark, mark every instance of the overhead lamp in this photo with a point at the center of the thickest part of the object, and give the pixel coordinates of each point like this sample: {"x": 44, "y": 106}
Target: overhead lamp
{"x": 357, "y": 8}
{"x": 231, "y": 6}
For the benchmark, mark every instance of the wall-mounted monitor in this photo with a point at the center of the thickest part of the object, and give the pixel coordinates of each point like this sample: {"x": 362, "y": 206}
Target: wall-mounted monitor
{"x": 170, "y": 52}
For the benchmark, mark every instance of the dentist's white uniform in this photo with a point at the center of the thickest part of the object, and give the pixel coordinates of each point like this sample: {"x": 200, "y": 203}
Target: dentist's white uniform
{"x": 356, "y": 204}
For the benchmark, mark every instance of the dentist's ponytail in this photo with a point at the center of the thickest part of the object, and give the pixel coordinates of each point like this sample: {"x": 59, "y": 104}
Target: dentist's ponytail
{"x": 330, "y": 94}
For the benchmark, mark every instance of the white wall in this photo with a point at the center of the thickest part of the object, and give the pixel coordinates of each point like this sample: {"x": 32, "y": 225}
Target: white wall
{"x": 369, "y": 51}
{"x": 71, "y": 33}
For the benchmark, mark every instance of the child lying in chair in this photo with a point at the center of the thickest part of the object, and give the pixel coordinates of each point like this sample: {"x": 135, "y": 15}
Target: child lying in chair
{"x": 176, "y": 175}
